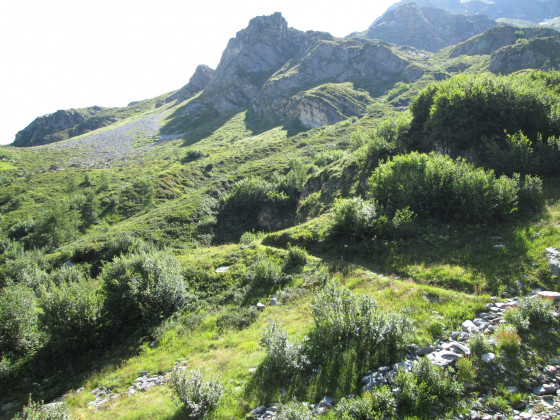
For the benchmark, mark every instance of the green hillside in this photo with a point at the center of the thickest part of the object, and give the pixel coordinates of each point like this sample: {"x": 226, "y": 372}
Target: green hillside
{"x": 287, "y": 262}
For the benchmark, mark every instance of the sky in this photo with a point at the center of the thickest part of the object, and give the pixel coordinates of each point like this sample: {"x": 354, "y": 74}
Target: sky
{"x": 61, "y": 54}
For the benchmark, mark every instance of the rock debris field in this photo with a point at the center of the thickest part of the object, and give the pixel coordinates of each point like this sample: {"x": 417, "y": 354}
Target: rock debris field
{"x": 112, "y": 146}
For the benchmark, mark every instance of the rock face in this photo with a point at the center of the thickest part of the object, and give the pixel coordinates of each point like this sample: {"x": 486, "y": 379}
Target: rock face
{"x": 538, "y": 53}
{"x": 426, "y": 28}
{"x": 354, "y": 60}
{"x": 251, "y": 58}
{"x": 62, "y": 125}
{"x": 198, "y": 82}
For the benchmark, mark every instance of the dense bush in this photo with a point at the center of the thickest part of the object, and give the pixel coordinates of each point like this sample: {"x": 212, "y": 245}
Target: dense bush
{"x": 38, "y": 410}
{"x": 532, "y": 312}
{"x": 456, "y": 114}
{"x": 479, "y": 345}
{"x": 295, "y": 258}
{"x": 265, "y": 271}
{"x": 28, "y": 268}
{"x": 284, "y": 357}
{"x": 378, "y": 404}
{"x": 427, "y": 386}
{"x": 144, "y": 285}
{"x": 440, "y": 187}
{"x": 199, "y": 396}
{"x": 343, "y": 319}
{"x": 507, "y": 341}
{"x": 72, "y": 313}
{"x": 18, "y": 321}
{"x": 358, "y": 218}
{"x": 294, "y": 410}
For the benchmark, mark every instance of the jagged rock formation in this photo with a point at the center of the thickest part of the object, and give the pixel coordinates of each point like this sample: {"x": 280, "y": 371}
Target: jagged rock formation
{"x": 426, "y": 28}
{"x": 528, "y": 10}
{"x": 538, "y": 53}
{"x": 198, "y": 82}
{"x": 499, "y": 37}
{"x": 61, "y": 125}
{"x": 251, "y": 58}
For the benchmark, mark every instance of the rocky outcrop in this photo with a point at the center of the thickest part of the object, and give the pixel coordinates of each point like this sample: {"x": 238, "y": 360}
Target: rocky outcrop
{"x": 553, "y": 257}
{"x": 499, "y": 37}
{"x": 198, "y": 82}
{"x": 61, "y": 125}
{"x": 538, "y": 53}
{"x": 251, "y": 58}
{"x": 372, "y": 64}
{"x": 426, "y": 28}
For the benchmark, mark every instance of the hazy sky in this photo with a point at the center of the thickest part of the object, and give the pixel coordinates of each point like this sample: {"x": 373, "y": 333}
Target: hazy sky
{"x": 62, "y": 54}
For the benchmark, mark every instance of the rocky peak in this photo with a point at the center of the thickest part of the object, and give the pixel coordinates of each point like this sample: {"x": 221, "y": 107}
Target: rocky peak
{"x": 199, "y": 81}
{"x": 251, "y": 58}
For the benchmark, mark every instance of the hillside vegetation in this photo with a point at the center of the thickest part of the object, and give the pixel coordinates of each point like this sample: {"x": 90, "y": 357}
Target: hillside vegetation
{"x": 212, "y": 262}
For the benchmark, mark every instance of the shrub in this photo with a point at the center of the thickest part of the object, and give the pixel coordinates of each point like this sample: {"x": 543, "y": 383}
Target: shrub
{"x": 540, "y": 312}
{"x": 38, "y": 410}
{"x": 507, "y": 341}
{"x": 515, "y": 317}
{"x": 465, "y": 370}
{"x": 193, "y": 155}
{"x": 479, "y": 345}
{"x": 530, "y": 193}
{"x": 426, "y": 386}
{"x": 237, "y": 319}
{"x": 28, "y": 268}
{"x": 284, "y": 357}
{"x": 18, "y": 321}
{"x": 72, "y": 313}
{"x": 353, "y": 409}
{"x": 440, "y": 187}
{"x": 357, "y": 217}
{"x": 145, "y": 285}
{"x": 458, "y": 113}
{"x": 379, "y": 404}
{"x": 342, "y": 319}
{"x": 266, "y": 271}
{"x": 295, "y": 258}
{"x": 294, "y": 410}
{"x": 199, "y": 396}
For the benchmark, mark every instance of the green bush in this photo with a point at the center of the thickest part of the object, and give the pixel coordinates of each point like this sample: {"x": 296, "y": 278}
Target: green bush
{"x": 515, "y": 317}
{"x": 199, "y": 396}
{"x": 539, "y": 312}
{"x": 466, "y": 371}
{"x": 479, "y": 345}
{"x": 19, "y": 333}
{"x": 28, "y": 268}
{"x": 193, "y": 155}
{"x": 507, "y": 341}
{"x": 342, "y": 319}
{"x": 144, "y": 285}
{"x": 284, "y": 357}
{"x": 426, "y": 386}
{"x": 295, "y": 258}
{"x": 456, "y": 114}
{"x": 358, "y": 218}
{"x": 440, "y": 187}
{"x": 294, "y": 410}
{"x": 266, "y": 271}
{"x": 38, "y": 410}
{"x": 378, "y": 404}
{"x": 72, "y": 313}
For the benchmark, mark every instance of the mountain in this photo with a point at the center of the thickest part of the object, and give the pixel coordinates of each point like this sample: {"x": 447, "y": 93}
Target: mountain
{"x": 527, "y": 10}
{"x": 427, "y": 28}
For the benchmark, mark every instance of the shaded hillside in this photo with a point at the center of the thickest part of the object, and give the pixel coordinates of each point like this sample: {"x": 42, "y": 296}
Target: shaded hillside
{"x": 538, "y": 53}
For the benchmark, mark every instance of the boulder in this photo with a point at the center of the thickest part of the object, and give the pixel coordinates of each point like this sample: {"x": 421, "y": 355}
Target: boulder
{"x": 554, "y": 296}
{"x": 443, "y": 357}
{"x": 553, "y": 256}
{"x": 469, "y": 327}
{"x": 488, "y": 357}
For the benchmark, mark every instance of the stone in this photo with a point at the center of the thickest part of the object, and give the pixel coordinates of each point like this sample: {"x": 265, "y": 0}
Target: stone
{"x": 553, "y": 296}
{"x": 443, "y": 357}
{"x": 406, "y": 365}
{"x": 553, "y": 257}
{"x": 260, "y": 410}
{"x": 469, "y": 327}
{"x": 458, "y": 348}
{"x": 545, "y": 389}
{"x": 326, "y": 402}
{"x": 222, "y": 269}
{"x": 9, "y": 406}
{"x": 260, "y": 306}
{"x": 488, "y": 357}
{"x": 274, "y": 302}
{"x": 455, "y": 335}
{"x": 424, "y": 351}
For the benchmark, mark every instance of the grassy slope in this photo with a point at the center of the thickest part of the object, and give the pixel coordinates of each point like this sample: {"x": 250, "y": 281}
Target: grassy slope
{"x": 445, "y": 274}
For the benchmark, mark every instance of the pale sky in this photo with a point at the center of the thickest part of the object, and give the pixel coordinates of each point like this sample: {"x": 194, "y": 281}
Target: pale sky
{"x": 61, "y": 54}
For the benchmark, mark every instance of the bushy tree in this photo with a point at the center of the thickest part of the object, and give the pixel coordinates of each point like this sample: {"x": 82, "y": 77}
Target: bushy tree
{"x": 19, "y": 322}
{"x": 144, "y": 285}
